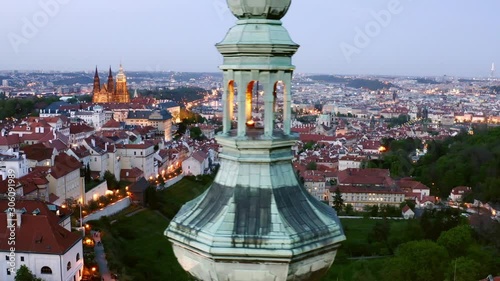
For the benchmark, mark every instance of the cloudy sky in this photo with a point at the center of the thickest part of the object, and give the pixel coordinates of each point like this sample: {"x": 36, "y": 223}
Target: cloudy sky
{"x": 393, "y": 37}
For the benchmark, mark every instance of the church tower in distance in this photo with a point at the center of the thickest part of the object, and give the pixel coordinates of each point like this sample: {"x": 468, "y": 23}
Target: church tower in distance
{"x": 111, "y": 92}
{"x": 256, "y": 221}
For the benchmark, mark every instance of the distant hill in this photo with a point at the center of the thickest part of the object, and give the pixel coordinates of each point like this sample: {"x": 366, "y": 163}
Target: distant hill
{"x": 427, "y": 81}
{"x": 329, "y": 79}
{"x": 372, "y": 85}
{"x": 74, "y": 80}
{"x": 180, "y": 95}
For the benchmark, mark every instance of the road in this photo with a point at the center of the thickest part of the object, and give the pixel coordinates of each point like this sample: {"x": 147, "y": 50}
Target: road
{"x": 100, "y": 257}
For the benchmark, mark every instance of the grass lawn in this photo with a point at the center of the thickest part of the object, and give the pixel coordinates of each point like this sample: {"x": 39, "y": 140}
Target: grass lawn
{"x": 171, "y": 199}
{"x": 136, "y": 246}
{"x": 137, "y": 249}
{"x": 354, "y": 270}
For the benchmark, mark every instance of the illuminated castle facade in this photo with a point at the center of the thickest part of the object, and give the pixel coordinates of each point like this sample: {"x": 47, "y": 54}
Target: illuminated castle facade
{"x": 111, "y": 92}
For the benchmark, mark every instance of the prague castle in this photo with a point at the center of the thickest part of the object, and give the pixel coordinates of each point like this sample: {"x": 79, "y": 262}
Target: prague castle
{"x": 111, "y": 92}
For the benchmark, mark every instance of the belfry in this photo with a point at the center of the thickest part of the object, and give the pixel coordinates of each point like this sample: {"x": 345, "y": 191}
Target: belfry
{"x": 256, "y": 221}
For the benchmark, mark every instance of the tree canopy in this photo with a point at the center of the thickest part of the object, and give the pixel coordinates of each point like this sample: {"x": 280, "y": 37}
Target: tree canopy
{"x": 25, "y": 274}
{"x": 418, "y": 261}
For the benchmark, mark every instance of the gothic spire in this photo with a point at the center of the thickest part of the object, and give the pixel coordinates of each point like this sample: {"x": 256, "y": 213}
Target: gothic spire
{"x": 111, "y": 82}
{"x": 97, "y": 83}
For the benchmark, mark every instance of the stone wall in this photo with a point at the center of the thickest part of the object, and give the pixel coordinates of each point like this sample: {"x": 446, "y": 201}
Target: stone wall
{"x": 109, "y": 210}
{"x": 96, "y": 192}
{"x": 173, "y": 181}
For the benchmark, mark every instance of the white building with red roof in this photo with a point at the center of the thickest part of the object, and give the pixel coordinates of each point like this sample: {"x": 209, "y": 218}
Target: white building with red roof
{"x": 458, "y": 192}
{"x": 351, "y": 161}
{"x": 368, "y": 187}
{"x": 196, "y": 164}
{"x": 64, "y": 179}
{"x": 42, "y": 244}
{"x": 138, "y": 156}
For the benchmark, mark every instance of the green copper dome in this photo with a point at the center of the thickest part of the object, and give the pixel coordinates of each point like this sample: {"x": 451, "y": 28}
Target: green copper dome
{"x": 259, "y": 9}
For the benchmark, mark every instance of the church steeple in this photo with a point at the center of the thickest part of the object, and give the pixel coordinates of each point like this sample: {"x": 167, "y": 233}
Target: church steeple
{"x": 111, "y": 82}
{"x": 97, "y": 82}
{"x": 256, "y": 221}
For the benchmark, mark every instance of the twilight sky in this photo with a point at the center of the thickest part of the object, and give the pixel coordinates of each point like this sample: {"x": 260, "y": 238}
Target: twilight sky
{"x": 394, "y": 37}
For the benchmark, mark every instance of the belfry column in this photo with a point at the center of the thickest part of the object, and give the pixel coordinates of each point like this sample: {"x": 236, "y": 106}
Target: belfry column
{"x": 242, "y": 86}
{"x": 287, "y": 105}
{"x": 268, "y": 108}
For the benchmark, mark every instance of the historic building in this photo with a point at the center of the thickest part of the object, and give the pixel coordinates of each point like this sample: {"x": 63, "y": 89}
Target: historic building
{"x": 256, "y": 221}
{"x": 44, "y": 242}
{"x": 111, "y": 91}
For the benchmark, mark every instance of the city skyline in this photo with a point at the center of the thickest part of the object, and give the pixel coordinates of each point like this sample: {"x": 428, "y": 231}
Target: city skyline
{"x": 391, "y": 37}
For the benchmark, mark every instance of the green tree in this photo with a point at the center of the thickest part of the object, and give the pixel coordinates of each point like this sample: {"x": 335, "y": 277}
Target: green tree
{"x": 380, "y": 232}
{"x": 87, "y": 173}
{"x": 111, "y": 180}
{"x": 349, "y": 209}
{"x": 25, "y": 274}
{"x": 418, "y": 261}
{"x": 196, "y": 133}
{"x": 312, "y": 166}
{"x": 464, "y": 269}
{"x": 374, "y": 211}
{"x": 151, "y": 198}
{"x": 456, "y": 240}
{"x": 338, "y": 201}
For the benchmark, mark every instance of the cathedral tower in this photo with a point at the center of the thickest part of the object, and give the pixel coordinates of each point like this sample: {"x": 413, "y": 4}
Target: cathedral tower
{"x": 97, "y": 82}
{"x": 111, "y": 92}
{"x": 111, "y": 83}
{"x": 121, "y": 94}
{"x": 256, "y": 221}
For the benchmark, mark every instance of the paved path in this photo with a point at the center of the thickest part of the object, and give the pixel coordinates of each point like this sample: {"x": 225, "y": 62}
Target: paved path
{"x": 135, "y": 212}
{"x": 159, "y": 213}
{"x": 100, "y": 256}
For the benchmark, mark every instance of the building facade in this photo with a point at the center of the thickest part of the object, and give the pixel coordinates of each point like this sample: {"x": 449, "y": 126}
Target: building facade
{"x": 49, "y": 250}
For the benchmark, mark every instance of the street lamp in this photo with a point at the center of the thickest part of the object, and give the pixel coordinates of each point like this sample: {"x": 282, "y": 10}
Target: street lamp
{"x": 81, "y": 220}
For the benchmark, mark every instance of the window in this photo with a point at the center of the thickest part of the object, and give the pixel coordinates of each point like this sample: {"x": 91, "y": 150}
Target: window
{"x": 68, "y": 266}
{"x": 77, "y": 256}
{"x": 22, "y": 258}
{"x": 8, "y": 271}
{"x": 46, "y": 270}
{"x": 135, "y": 153}
{"x": 6, "y": 258}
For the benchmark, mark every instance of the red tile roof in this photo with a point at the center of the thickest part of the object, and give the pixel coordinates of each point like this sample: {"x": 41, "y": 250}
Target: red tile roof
{"x": 362, "y": 189}
{"x": 63, "y": 165}
{"x": 112, "y": 123}
{"x": 365, "y": 177}
{"x": 38, "y": 152}
{"x": 132, "y": 173}
{"x": 80, "y": 128}
{"x": 10, "y": 140}
{"x": 199, "y": 156}
{"x": 38, "y": 233}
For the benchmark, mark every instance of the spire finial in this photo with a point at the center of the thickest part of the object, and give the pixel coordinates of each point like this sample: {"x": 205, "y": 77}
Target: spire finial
{"x": 264, "y": 9}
